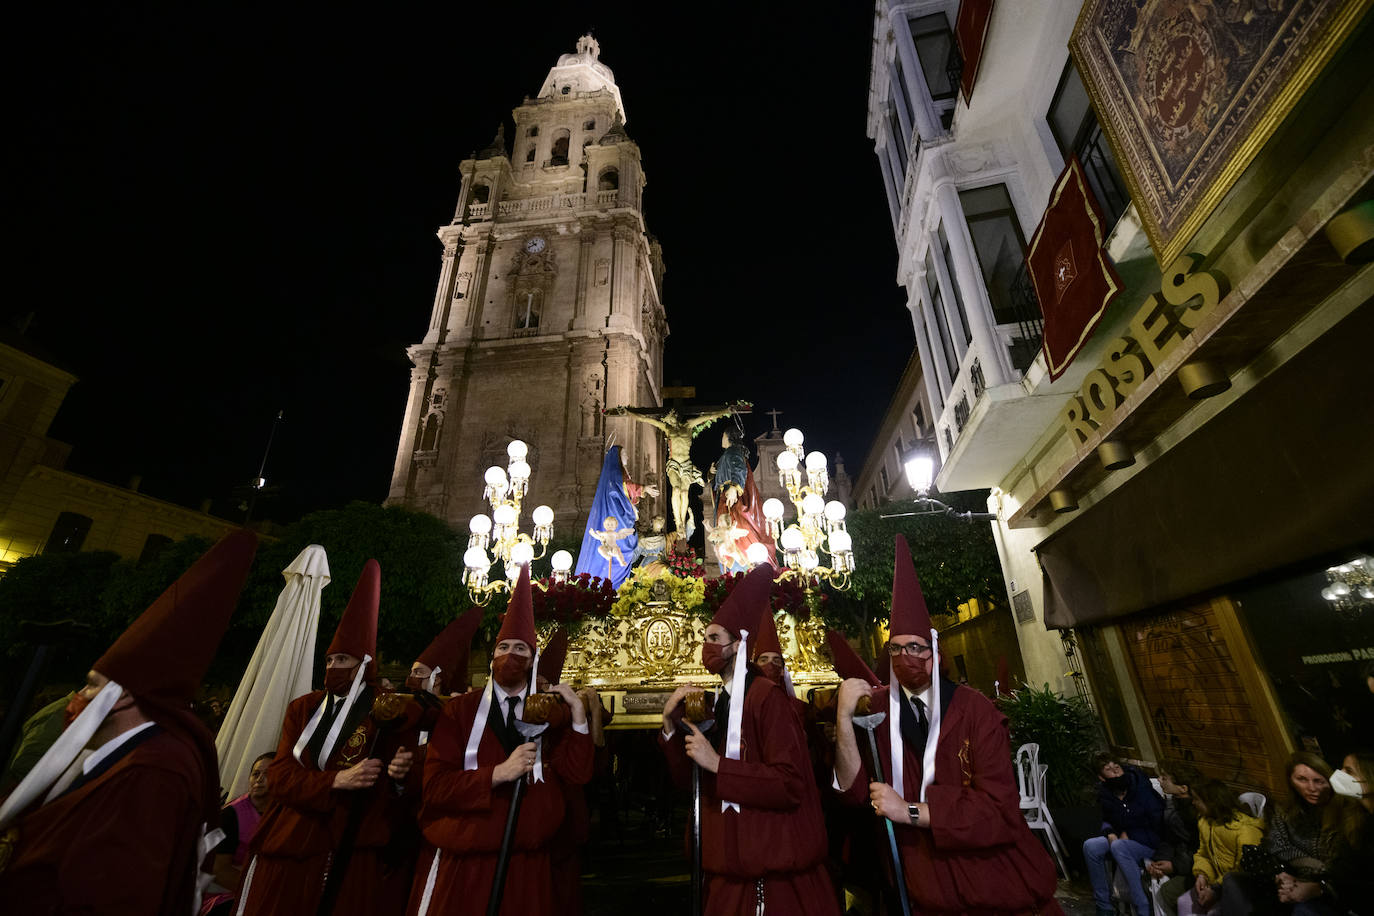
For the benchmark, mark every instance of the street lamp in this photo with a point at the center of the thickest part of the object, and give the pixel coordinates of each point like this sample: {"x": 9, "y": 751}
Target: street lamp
{"x": 819, "y": 528}
{"x": 920, "y": 473}
{"x": 497, "y": 537}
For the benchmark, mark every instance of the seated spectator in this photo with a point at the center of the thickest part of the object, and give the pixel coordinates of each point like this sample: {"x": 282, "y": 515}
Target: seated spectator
{"x": 1319, "y": 841}
{"x": 1224, "y": 828}
{"x": 1173, "y": 859}
{"x": 1355, "y": 778}
{"x": 1132, "y": 821}
{"x": 239, "y": 821}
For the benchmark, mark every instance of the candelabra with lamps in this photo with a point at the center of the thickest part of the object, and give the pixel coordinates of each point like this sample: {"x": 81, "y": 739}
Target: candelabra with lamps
{"x": 1350, "y": 586}
{"x": 497, "y": 536}
{"x": 920, "y": 473}
{"x": 819, "y": 528}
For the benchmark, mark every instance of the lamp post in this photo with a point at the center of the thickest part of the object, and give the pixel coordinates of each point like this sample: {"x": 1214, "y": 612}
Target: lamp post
{"x": 920, "y": 473}
{"x": 497, "y": 536}
{"x": 819, "y": 528}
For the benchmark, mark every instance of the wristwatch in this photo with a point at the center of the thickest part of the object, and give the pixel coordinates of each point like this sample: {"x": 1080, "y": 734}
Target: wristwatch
{"x": 913, "y": 812}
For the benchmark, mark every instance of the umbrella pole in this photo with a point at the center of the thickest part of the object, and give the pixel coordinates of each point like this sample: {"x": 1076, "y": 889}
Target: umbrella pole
{"x": 899, "y": 876}
{"x": 498, "y": 882}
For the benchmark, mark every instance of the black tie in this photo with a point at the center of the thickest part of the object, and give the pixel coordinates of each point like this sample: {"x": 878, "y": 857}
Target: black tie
{"x": 510, "y": 717}
{"x": 721, "y": 713}
{"x": 914, "y": 725}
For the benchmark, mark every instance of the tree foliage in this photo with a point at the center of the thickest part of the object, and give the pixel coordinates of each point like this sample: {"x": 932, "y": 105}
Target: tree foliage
{"x": 955, "y": 561}
{"x": 1068, "y": 733}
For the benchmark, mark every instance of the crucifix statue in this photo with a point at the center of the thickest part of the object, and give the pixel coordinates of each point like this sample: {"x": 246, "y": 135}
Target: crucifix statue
{"x": 680, "y": 429}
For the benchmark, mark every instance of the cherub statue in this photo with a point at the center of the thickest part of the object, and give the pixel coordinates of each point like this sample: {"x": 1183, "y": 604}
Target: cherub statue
{"x": 609, "y": 539}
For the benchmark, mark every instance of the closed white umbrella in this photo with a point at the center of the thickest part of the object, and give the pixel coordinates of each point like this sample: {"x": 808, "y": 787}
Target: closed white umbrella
{"x": 278, "y": 672}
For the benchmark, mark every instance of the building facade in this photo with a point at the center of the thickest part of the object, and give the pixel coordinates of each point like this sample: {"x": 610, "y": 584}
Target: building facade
{"x": 1182, "y": 498}
{"x": 46, "y": 508}
{"x": 548, "y": 310}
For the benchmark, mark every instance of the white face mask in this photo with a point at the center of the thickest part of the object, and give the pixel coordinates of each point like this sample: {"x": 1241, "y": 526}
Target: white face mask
{"x": 1342, "y": 783}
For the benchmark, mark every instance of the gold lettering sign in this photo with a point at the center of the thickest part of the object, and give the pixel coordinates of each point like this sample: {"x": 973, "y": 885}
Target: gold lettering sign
{"x": 1187, "y": 296}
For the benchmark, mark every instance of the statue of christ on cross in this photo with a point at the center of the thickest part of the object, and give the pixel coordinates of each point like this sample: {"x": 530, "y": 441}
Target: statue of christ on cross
{"x": 680, "y": 431}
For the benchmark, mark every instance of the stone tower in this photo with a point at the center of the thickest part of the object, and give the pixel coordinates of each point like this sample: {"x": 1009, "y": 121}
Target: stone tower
{"x": 548, "y": 309}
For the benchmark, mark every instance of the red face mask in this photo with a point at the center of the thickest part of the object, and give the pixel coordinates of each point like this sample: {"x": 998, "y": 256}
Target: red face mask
{"x": 911, "y": 672}
{"x": 338, "y": 680}
{"x": 509, "y": 670}
{"x": 77, "y": 703}
{"x": 711, "y": 658}
{"x": 417, "y": 684}
{"x": 772, "y": 671}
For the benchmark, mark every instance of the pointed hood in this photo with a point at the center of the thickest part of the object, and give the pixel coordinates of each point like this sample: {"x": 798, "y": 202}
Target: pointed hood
{"x": 357, "y": 631}
{"x": 163, "y": 655}
{"x": 909, "y": 614}
{"x": 449, "y": 651}
{"x": 767, "y": 630}
{"x": 847, "y": 661}
{"x": 552, "y": 658}
{"x": 518, "y": 622}
{"x": 749, "y": 599}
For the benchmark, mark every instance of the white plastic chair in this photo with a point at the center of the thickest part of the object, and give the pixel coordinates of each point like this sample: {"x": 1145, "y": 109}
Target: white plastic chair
{"x": 1030, "y": 783}
{"x": 1255, "y": 801}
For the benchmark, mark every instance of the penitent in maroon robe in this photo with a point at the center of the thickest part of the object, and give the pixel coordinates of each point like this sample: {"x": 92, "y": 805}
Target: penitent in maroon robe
{"x": 779, "y": 833}
{"x": 978, "y": 855}
{"x": 464, "y": 817}
{"x": 300, "y": 833}
{"x": 123, "y": 844}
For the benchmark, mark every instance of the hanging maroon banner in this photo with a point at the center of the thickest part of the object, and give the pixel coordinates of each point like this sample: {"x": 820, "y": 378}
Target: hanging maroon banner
{"x": 1073, "y": 277}
{"x": 970, "y": 28}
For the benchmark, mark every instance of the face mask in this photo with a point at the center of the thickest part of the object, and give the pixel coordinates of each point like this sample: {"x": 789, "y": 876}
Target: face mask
{"x": 911, "y": 672}
{"x": 1118, "y": 783}
{"x": 772, "y": 671}
{"x": 338, "y": 680}
{"x": 509, "y": 670}
{"x": 77, "y": 703}
{"x": 1342, "y": 783}
{"x": 711, "y": 658}
{"x": 417, "y": 684}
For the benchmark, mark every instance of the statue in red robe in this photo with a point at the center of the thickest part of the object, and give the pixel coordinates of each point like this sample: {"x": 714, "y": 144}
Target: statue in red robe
{"x": 738, "y": 520}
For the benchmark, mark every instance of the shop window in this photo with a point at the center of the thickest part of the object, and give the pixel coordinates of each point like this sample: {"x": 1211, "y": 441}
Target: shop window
{"x": 999, "y": 246}
{"x": 1073, "y": 122}
{"x": 559, "y": 155}
{"x": 153, "y": 546}
{"x": 69, "y": 533}
{"x": 608, "y": 180}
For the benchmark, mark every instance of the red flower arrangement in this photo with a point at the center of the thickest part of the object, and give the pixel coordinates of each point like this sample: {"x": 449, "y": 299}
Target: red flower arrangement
{"x": 684, "y": 562}
{"x": 579, "y": 598}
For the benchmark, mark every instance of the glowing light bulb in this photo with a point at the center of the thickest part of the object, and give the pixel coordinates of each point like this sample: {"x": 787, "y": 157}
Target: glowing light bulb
{"x": 480, "y": 524}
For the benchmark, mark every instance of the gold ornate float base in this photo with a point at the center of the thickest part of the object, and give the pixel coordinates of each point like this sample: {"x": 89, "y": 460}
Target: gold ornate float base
{"x": 637, "y": 657}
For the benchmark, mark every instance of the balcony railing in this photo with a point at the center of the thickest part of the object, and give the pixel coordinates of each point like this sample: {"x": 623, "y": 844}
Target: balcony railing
{"x": 553, "y": 202}
{"x": 1030, "y": 323}
{"x": 1103, "y": 176}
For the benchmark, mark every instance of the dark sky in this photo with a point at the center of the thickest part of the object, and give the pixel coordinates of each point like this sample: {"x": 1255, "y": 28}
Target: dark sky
{"x": 216, "y": 213}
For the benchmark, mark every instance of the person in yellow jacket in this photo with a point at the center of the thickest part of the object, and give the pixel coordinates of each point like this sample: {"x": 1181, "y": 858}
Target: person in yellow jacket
{"x": 1223, "y": 826}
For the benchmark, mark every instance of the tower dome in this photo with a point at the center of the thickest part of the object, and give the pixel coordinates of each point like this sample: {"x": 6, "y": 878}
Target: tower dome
{"x": 582, "y": 72}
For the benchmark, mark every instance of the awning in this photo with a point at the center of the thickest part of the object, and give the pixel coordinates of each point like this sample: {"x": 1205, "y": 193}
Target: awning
{"x": 1283, "y": 475}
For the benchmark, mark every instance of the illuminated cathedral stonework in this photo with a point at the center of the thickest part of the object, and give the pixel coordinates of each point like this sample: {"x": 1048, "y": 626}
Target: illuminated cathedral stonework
{"x": 548, "y": 308}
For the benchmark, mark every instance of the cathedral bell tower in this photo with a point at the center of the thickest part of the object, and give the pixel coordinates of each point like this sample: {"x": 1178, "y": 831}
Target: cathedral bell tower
{"x": 549, "y": 309}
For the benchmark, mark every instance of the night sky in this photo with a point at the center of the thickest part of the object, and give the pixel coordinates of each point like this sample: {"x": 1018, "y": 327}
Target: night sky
{"x": 215, "y": 214}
